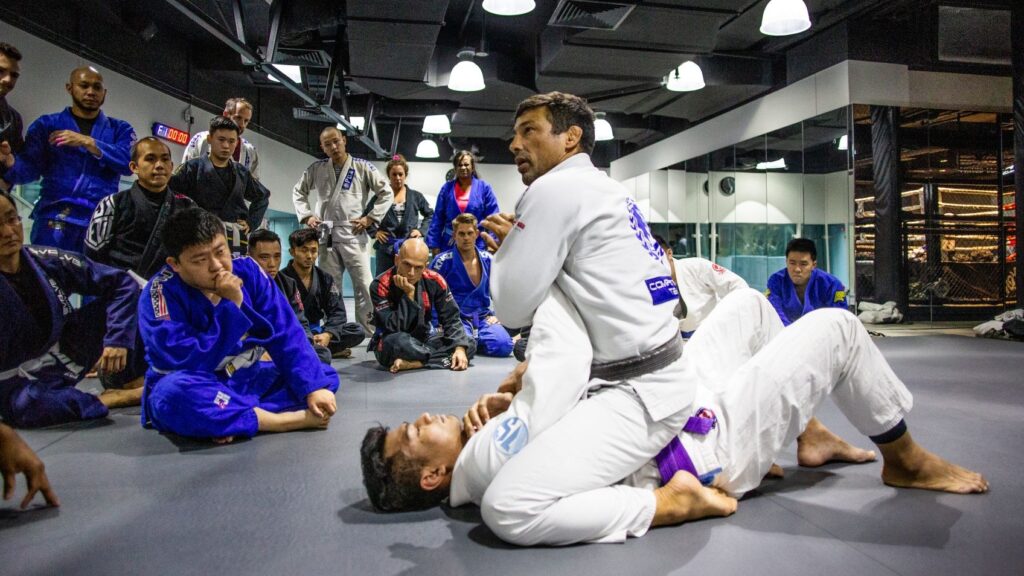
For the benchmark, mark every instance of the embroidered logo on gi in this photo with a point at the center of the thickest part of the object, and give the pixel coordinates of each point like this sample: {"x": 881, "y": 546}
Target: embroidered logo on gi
{"x": 840, "y": 296}
{"x": 222, "y": 400}
{"x": 65, "y": 304}
{"x": 717, "y": 268}
{"x": 662, "y": 289}
{"x": 511, "y": 435}
{"x": 156, "y": 294}
{"x": 520, "y": 224}
{"x": 348, "y": 179}
{"x": 642, "y": 231}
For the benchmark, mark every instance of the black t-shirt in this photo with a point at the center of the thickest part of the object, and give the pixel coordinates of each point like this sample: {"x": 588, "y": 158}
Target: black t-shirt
{"x": 227, "y": 176}
{"x": 27, "y": 287}
{"x": 84, "y": 124}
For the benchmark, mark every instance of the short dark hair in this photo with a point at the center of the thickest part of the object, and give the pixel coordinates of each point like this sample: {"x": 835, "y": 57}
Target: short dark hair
{"x": 263, "y": 235}
{"x": 661, "y": 242}
{"x": 7, "y": 195}
{"x": 393, "y": 484}
{"x": 223, "y": 123}
{"x": 802, "y": 245}
{"x": 10, "y": 51}
{"x": 190, "y": 227}
{"x": 564, "y": 110}
{"x": 331, "y": 127}
{"x": 135, "y": 147}
{"x": 303, "y": 236}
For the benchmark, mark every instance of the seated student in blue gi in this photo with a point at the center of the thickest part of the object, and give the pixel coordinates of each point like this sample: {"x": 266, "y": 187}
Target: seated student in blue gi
{"x": 206, "y": 320}
{"x": 321, "y": 297}
{"x": 467, "y": 269}
{"x": 801, "y": 286}
{"x": 405, "y": 298}
{"x": 265, "y": 249}
{"x": 47, "y": 345}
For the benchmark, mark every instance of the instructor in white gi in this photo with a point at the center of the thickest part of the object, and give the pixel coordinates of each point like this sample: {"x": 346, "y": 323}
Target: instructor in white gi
{"x": 341, "y": 187}
{"x": 570, "y": 223}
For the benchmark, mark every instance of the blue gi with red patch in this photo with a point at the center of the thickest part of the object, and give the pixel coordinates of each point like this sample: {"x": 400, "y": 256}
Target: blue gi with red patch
{"x": 474, "y": 301}
{"x": 205, "y": 376}
{"x": 41, "y": 364}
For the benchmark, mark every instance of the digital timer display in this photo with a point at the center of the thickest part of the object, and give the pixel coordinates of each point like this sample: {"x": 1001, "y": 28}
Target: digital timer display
{"x": 168, "y": 133}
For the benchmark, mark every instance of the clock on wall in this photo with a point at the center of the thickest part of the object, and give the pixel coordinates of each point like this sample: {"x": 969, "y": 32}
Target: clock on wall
{"x": 727, "y": 186}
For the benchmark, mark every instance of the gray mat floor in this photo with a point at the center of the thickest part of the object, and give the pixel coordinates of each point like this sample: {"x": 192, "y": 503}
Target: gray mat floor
{"x": 136, "y": 502}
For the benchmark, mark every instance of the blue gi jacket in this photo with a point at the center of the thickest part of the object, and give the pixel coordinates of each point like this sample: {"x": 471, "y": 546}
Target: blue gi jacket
{"x": 473, "y": 301}
{"x": 62, "y": 274}
{"x": 74, "y": 180}
{"x": 482, "y": 203}
{"x": 823, "y": 291}
{"x": 183, "y": 330}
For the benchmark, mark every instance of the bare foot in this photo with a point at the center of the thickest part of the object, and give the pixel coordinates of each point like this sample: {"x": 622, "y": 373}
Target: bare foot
{"x": 313, "y": 421}
{"x": 908, "y": 465}
{"x": 223, "y": 440}
{"x": 775, "y": 472}
{"x": 399, "y": 365}
{"x": 121, "y": 398}
{"x": 819, "y": 445}
{"x": 684, "y": 498}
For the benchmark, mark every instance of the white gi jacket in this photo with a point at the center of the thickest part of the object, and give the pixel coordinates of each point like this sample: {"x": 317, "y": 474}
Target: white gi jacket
{"x": 199, "y": 147}
{"x": 322, "y": 194}
{"x": 575, "y": 219}
{"x": 703, "y": 284}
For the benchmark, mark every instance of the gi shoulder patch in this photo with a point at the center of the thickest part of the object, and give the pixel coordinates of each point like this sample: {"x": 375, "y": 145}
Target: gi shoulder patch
{"x": 156, "y": 294}
{"x": 643, "y": 231}
{"x": 717, "y": 268}
{"x": 511, "y": 436}
{"x": 840, "y": 296}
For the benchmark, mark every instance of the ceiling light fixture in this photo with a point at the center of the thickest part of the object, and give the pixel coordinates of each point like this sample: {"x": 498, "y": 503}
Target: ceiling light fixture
{"x": 784, "y": 17}
{"x": 466, "y": 76}
{"x": 294, "y": 73}
{"x": 779, "y": 164}
{"x": 358, "y": 121}
{"x": 509, "y": 7}
{"x": 427, "y": 148}
{"x": 686, "y": 78}
{"x": 843, "y": 143}
{"x": 602, "y": 128}
{"x": 437, "y": 124}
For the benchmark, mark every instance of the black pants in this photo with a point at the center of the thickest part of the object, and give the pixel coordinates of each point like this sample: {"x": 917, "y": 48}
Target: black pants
{"x": 436, "y": 352}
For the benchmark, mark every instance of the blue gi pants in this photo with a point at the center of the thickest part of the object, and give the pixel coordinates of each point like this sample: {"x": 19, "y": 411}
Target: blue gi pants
{"x": 59, "y": 234}
{"x": 491, "y": 339}
{"x": 211, "y": 405}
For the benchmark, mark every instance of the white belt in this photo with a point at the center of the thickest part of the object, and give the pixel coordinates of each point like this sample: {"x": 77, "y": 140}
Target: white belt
{"x": 236, "y": 231}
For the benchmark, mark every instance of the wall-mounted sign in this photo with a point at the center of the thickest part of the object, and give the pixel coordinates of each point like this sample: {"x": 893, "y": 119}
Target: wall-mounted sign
{"x": 173, "y": 134}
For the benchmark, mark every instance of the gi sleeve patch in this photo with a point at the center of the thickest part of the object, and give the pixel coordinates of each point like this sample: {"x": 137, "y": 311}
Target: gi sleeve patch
{"x": 840, "y": 296}
{"x": 717, "y": 268}
{"x": 662, "y": 289}
{"x": 511, "y": 435}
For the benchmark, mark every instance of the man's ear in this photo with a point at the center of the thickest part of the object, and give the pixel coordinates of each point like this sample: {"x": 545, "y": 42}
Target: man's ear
{"x": 172, "y": 262}
{"x": 573, "y": 136}
{"x": 432, "y": 478}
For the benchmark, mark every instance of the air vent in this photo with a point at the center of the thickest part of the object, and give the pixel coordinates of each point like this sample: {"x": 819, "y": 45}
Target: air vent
{"x": 589, "y": 15}
{"x": 302, "y": 57}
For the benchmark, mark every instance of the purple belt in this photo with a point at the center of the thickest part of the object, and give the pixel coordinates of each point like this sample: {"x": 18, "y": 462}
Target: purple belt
{"x": 674, "y": 457}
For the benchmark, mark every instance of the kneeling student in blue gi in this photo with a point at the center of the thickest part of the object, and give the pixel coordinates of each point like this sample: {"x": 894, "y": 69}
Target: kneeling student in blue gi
{"x": 206, "y": 320}
{"x": 47, "y": 344}
{"x": 467, "y": 269}
{"x": 404, "y": 300}
{"x": 801, "y": 286}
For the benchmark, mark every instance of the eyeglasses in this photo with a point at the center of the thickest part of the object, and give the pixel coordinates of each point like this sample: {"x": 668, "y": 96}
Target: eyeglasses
{"x": 11, "y": 221}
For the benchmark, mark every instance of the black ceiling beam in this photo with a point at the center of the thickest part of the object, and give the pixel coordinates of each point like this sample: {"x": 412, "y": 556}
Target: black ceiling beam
{"x": 336, "y": 69}
{"x": 238, "y": 16}
{"x": 276, "y": 7}
{"x": 694, "y": 9}
{"x": 212, "y": 27}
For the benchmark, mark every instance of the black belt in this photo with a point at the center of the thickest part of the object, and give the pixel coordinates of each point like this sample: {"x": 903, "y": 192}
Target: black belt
{"x": 645, "y": 363}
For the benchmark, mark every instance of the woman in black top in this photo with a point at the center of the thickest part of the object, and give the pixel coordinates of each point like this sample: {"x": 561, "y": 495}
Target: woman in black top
{"x": 402, "y": 219}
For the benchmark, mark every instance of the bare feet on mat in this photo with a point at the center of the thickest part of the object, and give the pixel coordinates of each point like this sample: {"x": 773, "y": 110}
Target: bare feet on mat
{"x": 684, "y": 498}
{"x": 399, "y": 365}
{"x": 223, "y": 440}
{"x": 819, "y": 445}
{"x": 342, "y": 354}
{"x": 775, "y": 472}
{"x": 121, "y": 398}
{"x": 908, "y": 465}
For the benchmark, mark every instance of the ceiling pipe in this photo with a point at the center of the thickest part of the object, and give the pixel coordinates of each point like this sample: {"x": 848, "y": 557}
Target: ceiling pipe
{"x": 206, "y": 23}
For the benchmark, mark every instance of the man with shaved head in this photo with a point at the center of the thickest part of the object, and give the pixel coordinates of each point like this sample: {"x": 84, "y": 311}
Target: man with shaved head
{"x": 80, "y": 153}
{"x": 404, "y": 299}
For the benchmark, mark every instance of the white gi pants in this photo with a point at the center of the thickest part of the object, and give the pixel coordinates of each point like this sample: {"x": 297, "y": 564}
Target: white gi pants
{"x": 355, "y": 258}
{"x": 559, "y": 488}
{"x": 765, "y": 384}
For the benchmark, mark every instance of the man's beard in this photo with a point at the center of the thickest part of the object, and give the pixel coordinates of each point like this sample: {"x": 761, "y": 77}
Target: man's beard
{"x": 88, "y": 107}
